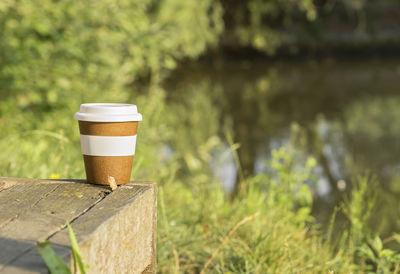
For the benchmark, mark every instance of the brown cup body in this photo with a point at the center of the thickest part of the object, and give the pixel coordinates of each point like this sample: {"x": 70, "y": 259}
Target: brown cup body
{"x": 103, "y": 169}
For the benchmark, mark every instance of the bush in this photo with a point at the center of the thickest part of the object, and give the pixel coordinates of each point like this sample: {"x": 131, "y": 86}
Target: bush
{"x": 93, "y": 50}
{"x": 55, "y": 55}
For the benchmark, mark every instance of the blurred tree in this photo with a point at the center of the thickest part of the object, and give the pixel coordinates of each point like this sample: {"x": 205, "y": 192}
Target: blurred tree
{"x": 261, "y": 24}
{"x": 49, "y": 49}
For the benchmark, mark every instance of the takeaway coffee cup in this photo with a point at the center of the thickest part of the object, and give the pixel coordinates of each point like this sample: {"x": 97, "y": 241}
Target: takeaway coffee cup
{"x": 108, "y": 141}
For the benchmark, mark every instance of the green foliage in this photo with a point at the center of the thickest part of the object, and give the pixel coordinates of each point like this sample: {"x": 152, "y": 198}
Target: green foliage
{"x": 267, "y": 227}
{"x": 379, "y": 259}
{"x": 76, "y": 253}
{"x": 286, "y": 186}
{"x": 358, "y": 210}
{"x": 269, "y": 25}
{"x": 55, "y": 55}
{"x": 264, "y": 229}
{"x": 55, "y": 264}
{"x": 369, "y": 127}
{"x": 369, "y": 250}
{"x": 261, "y": 24}
{"x": 53, "y": 49}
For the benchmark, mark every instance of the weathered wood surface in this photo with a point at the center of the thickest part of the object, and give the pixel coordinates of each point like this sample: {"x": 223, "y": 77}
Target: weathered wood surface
{"x": 116, "y": 230}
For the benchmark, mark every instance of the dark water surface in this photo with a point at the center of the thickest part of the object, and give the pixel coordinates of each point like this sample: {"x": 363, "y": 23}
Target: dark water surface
{"x": 344, "y": 113}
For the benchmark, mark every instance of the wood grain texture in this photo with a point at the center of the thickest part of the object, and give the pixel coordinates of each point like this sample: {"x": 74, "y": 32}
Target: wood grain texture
{"x": 19, "y": 199}
{"x": 116, "y": 230}
{"x": 51, "y": 209}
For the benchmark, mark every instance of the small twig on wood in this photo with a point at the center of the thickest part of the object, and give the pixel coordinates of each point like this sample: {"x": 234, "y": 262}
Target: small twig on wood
{"x": 239, "y": 224}
{"x": 112, "y": 183}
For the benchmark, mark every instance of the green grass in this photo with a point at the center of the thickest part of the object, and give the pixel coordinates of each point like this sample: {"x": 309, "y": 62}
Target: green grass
{"x": 266, "y": 228}
{"x": 64, "y": 53}
{"x": 55, "y": 263}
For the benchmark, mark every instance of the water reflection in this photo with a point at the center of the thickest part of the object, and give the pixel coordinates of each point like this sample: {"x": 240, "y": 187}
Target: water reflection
{"x": 345, "y": 114}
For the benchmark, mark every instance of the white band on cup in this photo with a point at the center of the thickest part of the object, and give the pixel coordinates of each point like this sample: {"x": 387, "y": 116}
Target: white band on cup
{"x": 108, "y": 145}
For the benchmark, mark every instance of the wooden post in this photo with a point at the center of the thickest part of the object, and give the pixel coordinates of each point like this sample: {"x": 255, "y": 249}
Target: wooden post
{"x": 116, "y": 230}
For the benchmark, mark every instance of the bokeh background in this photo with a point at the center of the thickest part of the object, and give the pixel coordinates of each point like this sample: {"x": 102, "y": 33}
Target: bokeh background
{"x": 271, "y": 126}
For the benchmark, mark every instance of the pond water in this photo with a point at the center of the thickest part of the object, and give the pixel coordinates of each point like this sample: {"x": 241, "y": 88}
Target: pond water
{"x": 344, "y": 113}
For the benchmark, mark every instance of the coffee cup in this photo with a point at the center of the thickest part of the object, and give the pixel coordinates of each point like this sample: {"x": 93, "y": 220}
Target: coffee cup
{"x": 108, "y": 141}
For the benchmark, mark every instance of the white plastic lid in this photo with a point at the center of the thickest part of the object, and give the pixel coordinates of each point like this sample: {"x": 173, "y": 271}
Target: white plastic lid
{"x": 108, "y": 112}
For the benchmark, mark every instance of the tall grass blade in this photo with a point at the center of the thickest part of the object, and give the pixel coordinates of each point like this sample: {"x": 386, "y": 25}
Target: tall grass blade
{"x": 76, "y": 253}
{"x": 54, "y": 263}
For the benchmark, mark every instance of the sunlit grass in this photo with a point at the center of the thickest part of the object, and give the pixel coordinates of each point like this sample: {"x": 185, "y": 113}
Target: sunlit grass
{"x": 265, "y": 228}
